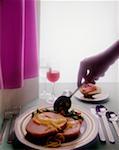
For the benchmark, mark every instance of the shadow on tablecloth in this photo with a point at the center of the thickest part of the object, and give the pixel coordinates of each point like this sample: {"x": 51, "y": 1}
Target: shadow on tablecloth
{"x": 91, "y": 146}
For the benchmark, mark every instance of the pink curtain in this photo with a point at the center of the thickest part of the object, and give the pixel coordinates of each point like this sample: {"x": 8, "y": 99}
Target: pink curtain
{"x": 18, "y": 42}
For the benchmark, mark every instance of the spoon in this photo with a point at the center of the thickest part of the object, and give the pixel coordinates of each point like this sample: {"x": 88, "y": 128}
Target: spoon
{"x": 101, "y": 132}
{"x": 101, "y": 110}
{"x": 113, "y": 118}
{"x": 63, "y": 103}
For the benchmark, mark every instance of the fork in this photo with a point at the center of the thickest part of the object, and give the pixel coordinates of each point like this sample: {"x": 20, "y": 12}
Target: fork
{"x": 11, "y": 134}
{"x": 7, "y": 116}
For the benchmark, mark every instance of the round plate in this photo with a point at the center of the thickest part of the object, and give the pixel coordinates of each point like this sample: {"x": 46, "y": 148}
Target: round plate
{"x": 89, "y": 130}
{"x": 97, "y": 97}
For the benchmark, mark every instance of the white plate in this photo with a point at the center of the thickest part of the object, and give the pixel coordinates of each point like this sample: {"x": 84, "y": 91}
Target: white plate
{"x": 98, "y": 97}
{"x": 89, "y": 130}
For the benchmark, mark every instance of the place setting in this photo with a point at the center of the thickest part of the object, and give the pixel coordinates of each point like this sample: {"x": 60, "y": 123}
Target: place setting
{"x": 60, "y": 126}
{"x": 74, "y": 129}
{"x": 63, "y": 125}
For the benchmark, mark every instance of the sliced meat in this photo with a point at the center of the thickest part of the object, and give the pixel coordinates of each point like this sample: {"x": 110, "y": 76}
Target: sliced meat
{"x": 46, "y": 124}
{"x": 72, "y": 129}
{"x": 39, "y": 132}
{"x": 89, "y": 89}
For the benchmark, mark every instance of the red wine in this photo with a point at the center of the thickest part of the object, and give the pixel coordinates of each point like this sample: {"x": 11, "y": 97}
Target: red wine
{"x": 53, "y": 75}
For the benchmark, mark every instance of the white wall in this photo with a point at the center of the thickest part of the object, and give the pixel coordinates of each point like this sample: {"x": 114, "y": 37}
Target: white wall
{"x": 118, "y": 17}
{"x": 73, "y": 30}
{"x": 118, "y": 32}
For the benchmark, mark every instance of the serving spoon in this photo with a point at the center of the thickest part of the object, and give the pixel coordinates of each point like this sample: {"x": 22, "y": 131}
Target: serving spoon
{"x": 63, "y": 103}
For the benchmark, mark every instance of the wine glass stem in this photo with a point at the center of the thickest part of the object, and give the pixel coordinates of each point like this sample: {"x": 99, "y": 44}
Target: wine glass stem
{"x": 53, "y": 89}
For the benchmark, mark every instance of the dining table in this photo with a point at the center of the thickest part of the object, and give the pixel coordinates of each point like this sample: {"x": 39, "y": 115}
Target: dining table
{"x": 112, "y": 103}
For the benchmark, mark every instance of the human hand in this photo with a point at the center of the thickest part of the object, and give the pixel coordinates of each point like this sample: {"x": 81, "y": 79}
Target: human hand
{"x": 92, "y": 68}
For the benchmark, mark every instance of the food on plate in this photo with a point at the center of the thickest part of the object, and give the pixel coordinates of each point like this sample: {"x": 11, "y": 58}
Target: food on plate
{"x": 50, "y": 129}
{"x": 45, "y": 124}
{"x": 89, "y": 89}
{"x": 72, "y": 129}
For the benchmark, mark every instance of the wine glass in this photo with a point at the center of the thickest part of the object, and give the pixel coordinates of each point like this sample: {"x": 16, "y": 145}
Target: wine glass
{"x": 53, "y": 75}
{"x": 43, "y": 81}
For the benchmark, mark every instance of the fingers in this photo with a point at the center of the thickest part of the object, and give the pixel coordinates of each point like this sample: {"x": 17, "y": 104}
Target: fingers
{"x": 81, "y": 74}
{"x": 90, "y": 80}
{"x": 91, "y": 77}
{"x": 90, "y": 73}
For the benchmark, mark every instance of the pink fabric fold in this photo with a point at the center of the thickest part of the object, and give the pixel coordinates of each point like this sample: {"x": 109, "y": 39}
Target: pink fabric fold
{"x": 18, "y": 42}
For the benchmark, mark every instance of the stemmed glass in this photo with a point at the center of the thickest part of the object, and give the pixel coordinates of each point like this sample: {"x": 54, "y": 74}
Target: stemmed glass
{"x": 43, "y": 81}
{"x": 53, "y": 75}
{"x": 43, "y": 93}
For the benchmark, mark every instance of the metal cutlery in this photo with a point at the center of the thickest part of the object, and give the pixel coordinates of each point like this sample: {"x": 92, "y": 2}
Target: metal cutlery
{"x": 7, "y": 116}
{"x": 101, "y": 110}
{"x": 11, "y": 134}
{"x": 101, "y": 132}
{"x": 63, "y": 103}
{"x": 113, "y": 118}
